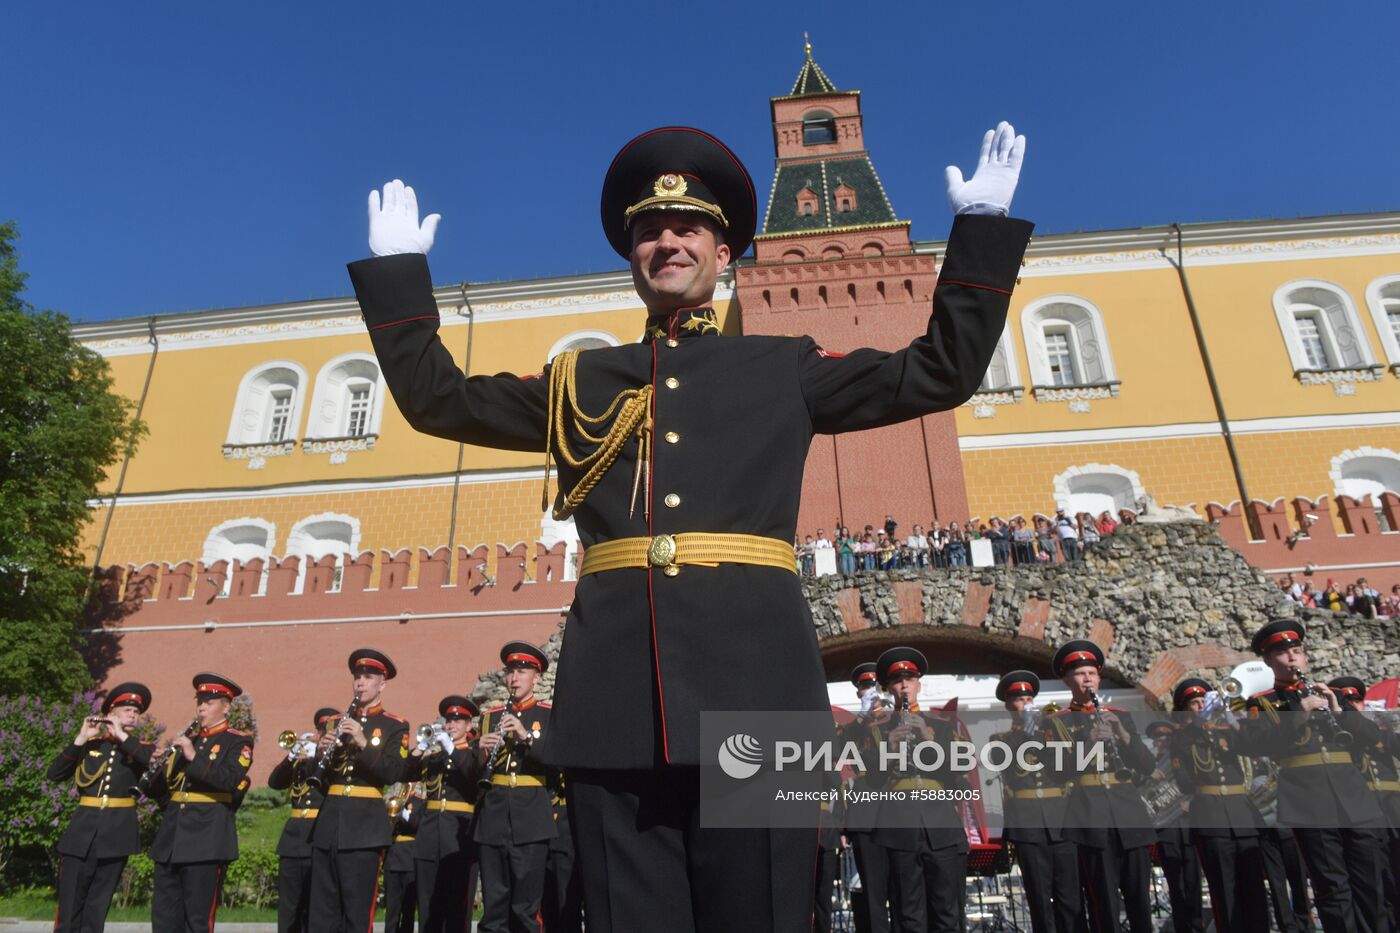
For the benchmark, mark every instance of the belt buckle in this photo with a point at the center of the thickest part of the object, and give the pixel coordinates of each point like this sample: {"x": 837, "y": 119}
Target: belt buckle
{"x": 1039, "y": 793}
{"x": 661, "y": 552}
{"x": 512, "y": 779}
{"x": 346, "y": 791}
{"x": 103, "y": 806}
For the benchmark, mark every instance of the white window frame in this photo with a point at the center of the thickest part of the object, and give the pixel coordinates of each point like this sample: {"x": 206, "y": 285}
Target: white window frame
{"x": 1093, "y": 357}
{"x": 1302, "y": 296}
{"x": 298, "y": 545}
{"x": 1375, "y": 301}
{"x": 218, "y": 545}
{"x": 1340, "y": 481}
{"x": 1064, "y": 482}
{"x": 569, "y": 341}
{"x": 251, "y": 419}
{"x": 1007, "y": 356}
{"x": 330, "y": 403}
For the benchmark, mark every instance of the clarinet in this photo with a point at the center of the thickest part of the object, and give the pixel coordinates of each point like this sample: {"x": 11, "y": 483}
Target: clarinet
{"x": 320, "y": 778}
{"x": 143, "y": 784}
{"x": 1332, "y": 727}
{"x": 490, "y": 771}
{"x": 1115, "y": 755}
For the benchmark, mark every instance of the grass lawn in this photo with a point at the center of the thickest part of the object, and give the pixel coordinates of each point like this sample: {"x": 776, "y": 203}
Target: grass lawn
{"x": 39, "y": 904}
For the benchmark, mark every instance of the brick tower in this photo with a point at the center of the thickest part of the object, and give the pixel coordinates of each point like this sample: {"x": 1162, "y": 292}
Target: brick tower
{"x": 833, "y": 261}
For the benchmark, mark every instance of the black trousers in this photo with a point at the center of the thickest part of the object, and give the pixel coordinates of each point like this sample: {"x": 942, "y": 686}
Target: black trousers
{"x": 1115, "y": 879}
{"x": 562, "y": 907}
{"x": 1234, "y": 870}
{"x": 446, "y": 890}
{"x": 185, "y": 896}
{"x": 512, "y": 886}
{"x": 874, "y": 865}
{"x": 344, "y": 889}
{"x": 1288, "y": 881}
{"x": 1050, "y": 873}
{"x": 400, "y": 901}
{"x": 647, "y": 864}
{"x": 1347, "y": 868}
{"x": 293, "y": 894}
{"x": 85, "y": 889}
{"x": 930, "y": 884}
{"x": 1183, "y": 874}
{"x": 828, "y": 866}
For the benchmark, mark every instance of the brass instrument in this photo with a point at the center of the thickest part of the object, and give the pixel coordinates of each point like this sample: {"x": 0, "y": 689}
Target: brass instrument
{"x": 320, "y": 777}
{"x": 158, "y": 762}
{"x": 395, "y": 801}
{"x": 489, "y": 771}
{"x": 1330, "y": 726}
{"x": 1115, "y": 754}
{"x": 286, "y": 740}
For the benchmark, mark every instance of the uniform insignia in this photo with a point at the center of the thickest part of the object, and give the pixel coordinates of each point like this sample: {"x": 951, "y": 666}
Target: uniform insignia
{"x": 214, "y": 751}
{"x": 245, "y": 755}
{"x": 826, "y": 355}
{"x": 669, "y": 184}
{"x": 374, "y": 740}
{"x": 95, "y": 754}
{"x": 243, "y": 784}
{"x": 375, "y": 736}
{"x": 403, "y": 751}
{"x": 704, "y": 321}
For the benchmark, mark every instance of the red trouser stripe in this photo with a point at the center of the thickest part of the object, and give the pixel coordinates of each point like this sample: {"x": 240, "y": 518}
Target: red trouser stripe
{"x": 218, "y": 890}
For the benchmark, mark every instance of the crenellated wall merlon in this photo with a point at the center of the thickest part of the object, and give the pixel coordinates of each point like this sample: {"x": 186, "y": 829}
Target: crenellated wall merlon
{"x": 1302, "y": 532}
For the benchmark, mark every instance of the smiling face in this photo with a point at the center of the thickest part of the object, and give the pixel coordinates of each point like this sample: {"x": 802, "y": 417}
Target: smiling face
{"x": 677, "y": 257}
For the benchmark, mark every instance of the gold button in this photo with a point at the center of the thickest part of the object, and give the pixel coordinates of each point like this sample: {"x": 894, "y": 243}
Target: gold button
{"x": 672, "y": 382}
{"x": 670, "y": 570}
{"x": 672, "y": 342}
{"x": 672, "y": 437}
{"x": 672, "y": 500}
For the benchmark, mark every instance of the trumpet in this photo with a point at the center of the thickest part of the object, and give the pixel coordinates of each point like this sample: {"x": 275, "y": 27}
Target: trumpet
{"x": 1331, "y": 726}
{"x": 287, "y": 740}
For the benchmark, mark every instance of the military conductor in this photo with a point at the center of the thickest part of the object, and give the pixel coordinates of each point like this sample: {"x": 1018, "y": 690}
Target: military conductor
{"x": 681, "y": 457}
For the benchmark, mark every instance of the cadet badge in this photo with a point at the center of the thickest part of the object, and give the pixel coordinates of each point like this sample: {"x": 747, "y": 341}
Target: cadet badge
{"x": 214, "y": 751}
{"x": 374, "y": 739}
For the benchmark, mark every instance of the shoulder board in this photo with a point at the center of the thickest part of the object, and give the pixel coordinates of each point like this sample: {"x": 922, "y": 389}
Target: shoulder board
{"x": 239, "y": 732}
{"x": 394, "y": 717}
{"x": 542, "y": 705}
{"x": 830, "y": 354}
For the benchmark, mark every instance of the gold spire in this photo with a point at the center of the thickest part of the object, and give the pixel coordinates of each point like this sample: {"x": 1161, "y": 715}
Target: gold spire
{"x": 807, "y": 42}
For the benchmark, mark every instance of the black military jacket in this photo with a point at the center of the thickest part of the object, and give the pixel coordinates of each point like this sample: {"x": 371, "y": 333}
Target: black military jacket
{"x": 1384, "y": 777}
{"x": 908, "y": 825}
{"x": 522, "y": 812}
{"x": 362, "y": 822}
{"x": 743, "y": 411}
{"x": 1312, "y": 794}
{"x": 447, "y": 780}
{"x": 1033, "y": 802}
{"x": 192, "y": 830}
{"x": 1095, "y": 810}
{"x": 290, "y": 775}
{"x": 406, "y": 826}
{"x": 1206, "y": 755}
{"x": 102, "y": 768}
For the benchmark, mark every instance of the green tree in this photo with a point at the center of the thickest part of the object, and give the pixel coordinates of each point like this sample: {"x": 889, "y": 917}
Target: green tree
{"x": 61, "y": 427}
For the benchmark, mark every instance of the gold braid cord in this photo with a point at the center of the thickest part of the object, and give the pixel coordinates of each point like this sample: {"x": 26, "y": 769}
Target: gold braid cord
{"x": 630, "y": 413}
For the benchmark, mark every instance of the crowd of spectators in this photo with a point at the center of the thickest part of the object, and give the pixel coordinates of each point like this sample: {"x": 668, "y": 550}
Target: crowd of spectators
{"x": 1018, "y": 541}
{"x": 1358, "y": 598}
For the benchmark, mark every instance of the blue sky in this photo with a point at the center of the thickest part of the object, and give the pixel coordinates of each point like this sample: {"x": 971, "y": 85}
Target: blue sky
{"x": 176, "y": 156}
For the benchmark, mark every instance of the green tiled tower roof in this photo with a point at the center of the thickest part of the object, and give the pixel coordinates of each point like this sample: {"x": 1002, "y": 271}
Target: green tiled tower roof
{"x": 824, "y": 178}
{"x": 811, "y": 79}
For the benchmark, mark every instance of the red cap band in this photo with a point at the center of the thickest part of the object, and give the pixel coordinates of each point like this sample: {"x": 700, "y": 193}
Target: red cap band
{"x": 214, "y": 688}
{"x": 900, "y": 667}
{"x": 1079, "y": 656}
{"x": 1021, "y": 686}
{"x": 127, "y": 697}
{"x": 322, "y": 720}
{"x": 1277, "y": 637}
{"x": 529, "y": 659}
{"x": 459, "y": 710}
{"x": 371, "y": 662}
{"x": 1350, "y": 692}
{"x": 1193, "y": 692}
{"x": 866, "y": 677}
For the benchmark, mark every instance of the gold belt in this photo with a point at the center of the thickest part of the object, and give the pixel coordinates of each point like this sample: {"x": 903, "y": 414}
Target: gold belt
{"x": 354, "y": 790}
{"x": 456, "y": 806}
{"x": 669, "y": 552}
{"x": 1324, "y": 757}
{"x": 1222, "y": 790}
{"x": 403, "y": 838}
{"x": 104, "y": 802}
{"x": 189, "y": 796}
{"x": 517, "y": 780}
{"x": 1098, "y": 780}
{"x": 1385, "y": 786}
{"x": 916, "y": 783}
{"x": 306, "y": 813}
{"x": 1037, "y": 793}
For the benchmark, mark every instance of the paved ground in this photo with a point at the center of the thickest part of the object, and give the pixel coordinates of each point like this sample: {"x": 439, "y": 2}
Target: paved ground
{"x": 8, "y": 925}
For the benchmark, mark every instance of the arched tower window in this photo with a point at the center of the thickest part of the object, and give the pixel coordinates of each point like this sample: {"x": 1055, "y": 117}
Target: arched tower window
{"x": 818, "y": 127}
{"x": 807, "y": 202}
{"x": 349, "y": 398}
{"x": 267, "y": 409}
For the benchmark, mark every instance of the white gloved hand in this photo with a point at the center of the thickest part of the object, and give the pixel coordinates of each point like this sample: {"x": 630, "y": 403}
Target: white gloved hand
{"x": 423, "y": 745}
{"x": 990, "y": 188}
{"x": 445, "y": 741}
{"x": 394, "y": 227}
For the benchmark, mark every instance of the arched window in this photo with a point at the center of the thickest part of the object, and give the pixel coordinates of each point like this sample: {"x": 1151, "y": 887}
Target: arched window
{"x": 242, "y": 540}
{"x": 807, "y": 202}
{"x": 1068, "y": 349}
{"x": 818, "y": 127}
{"x": 1320, "y": 328}
{"x": 349, "y": 398}
{"x": 583, "y": 340}
{"x": 267, "y": 409}
{"x": 845, "y": 198}
{"x": 324, "y": 535}
{"x": 1367, "y": 471}
{"x": 1097, "y": 488}
{"x": 1001, "y": 374}
{"x": 1383, "y": 298}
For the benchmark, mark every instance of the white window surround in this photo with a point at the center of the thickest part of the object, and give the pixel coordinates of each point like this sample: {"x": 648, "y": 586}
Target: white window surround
{"x": 240, "y": 539}
{"x": 318, "y": 536}
{"x": 1340, "y": 330}
{"x": 1385, "y": 290}
{"x": 1365, "y": 471}
{"x": 329, "y": 416}
{"x": 1083, "y": 324}
{"x": 1001, "y": 385}
{"x": 249, "y": 422}
{"x": 1093, "y": 486}
{"x": 582, "y": 340}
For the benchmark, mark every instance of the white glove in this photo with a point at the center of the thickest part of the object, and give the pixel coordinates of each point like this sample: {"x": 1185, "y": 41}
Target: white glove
{"x": 445, "y": 741}
{"x": 394, "y": 228}
{"x": 423, "y": 745}
{"x": 990, "y": 188}
{"x": 867, "y": 702}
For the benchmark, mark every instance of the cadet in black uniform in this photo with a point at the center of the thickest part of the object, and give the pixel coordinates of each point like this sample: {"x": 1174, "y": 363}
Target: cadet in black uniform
{"x": 562, "y": 907}
{"x": 105, "y": 763}
{"x": 514, "y": 820}
{"x": 1033, "y": 809}
{"x": 1383, "y": 779}
{"x": 202, "y": 784}
{"x": 369, "y": 750}
{"x": 1174, "y": 848}
{"x": 873, "y": 861}
{"x": 1211, "y": 764}
{"x": 1107, "y": 817}
{"x": 294, "y": 846}
{"x": 682, "y": 458}
{"x": 927, "y": 840}
{"x": 1322, "y": 794}
{"x": 406, "y": 810}
{"x": 829, "y": 845}
{"x": 447, "y": 764}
